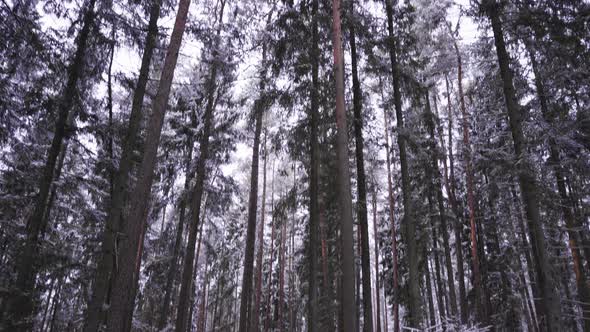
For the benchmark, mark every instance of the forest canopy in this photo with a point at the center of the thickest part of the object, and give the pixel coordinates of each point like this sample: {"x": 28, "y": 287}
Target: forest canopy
{"x": 294, "y": 165}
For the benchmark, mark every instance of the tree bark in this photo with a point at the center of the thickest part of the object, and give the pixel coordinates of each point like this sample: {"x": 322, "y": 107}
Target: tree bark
{"x": 477, "y": 279}
{"x": 441, "y": 210}
{"x": 428, "y": 287}
{"x": 458, "y": 215}
{"x": 196, "y": 265}
{"x": 391, "y": 203}
{"x": 377, "y": 284}
{"x": 272, "y": 238}
{"x": 344, "y": 196}
{"x": 414, "y": 310}
{"x": 547, "y": 285}
{"x": 256, "y": 312}
{"x": 171, "y": 275}
{"x": 439, "y": 285}
{"x": 292, "y": 313}
{"x": 313, "y": 315}
{"x": 361, "y": 180}
{"x": 201, "y": 314}
{"x": 528, "y": 259}
{"x": 252, "y": 207}
{"x": 22, "y": 303}
{"x": 565, "y": 201}
{"x": 282, "y": 275}
{"x": 122, "y": 301}
{"x": 106, "y": 261}
{"x": 201, "y": 173}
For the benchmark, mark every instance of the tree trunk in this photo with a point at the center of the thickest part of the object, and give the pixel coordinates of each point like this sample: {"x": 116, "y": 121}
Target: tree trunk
{"x": 47, "y": 305}
{"x": 391, "y": 202}
{"x": 529, "y": 261}
{"x": 344, "y": 196}
{"x": 195, "y": 208}
{"x": 414, "y": 310}
{"x": 201, "y": 314}
{"x": 195, "y": 267}
{"x": 439, "y": 284}
{"x": 327, "y": 286}
{"x": 171, "y": 275}
{"x": 441, "y": 209}
{"x": 106, "y": 261}
{"x": 565, "y": 202}
{"x": 428, "y": 287}
{"x": 458, "y": 215}
{"x": 256, "y": 312}
{"x": 110, "y": 132}
{"x": 481, "y": 313}
{"x": 121, "y": 307}
{"x": 377, "y": 284}
{"x": 313, "y": 315}
{"x": 282, "y": 274}
{"x": 385, "y": 315}
{"x": 292, "y": 326}
{"x": 358, "y": 278}
{"x": 361, "y": 181}
{"x": 252, "y": 206}
{"x": 272, "y": 238}
{"x": 547, "y": 285}
{"x": 21, "y": 304}
{"x": 55, "y": 305}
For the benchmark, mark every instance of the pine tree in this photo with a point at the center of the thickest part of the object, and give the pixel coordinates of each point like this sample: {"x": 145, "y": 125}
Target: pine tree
{"x": 345, "y": 199}
{"x": 549, "y": 299}
{"x": 22, "y": 304}
{"x": 122, "y": 300}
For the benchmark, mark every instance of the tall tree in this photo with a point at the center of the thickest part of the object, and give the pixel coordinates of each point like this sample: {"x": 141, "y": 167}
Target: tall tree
{"x": 550, "y": 301}
{"x": 361, "y": 181}
{"x": 437, "y": 183}
{"x": 377, "y": 284}
{"x": 184, "y": 201}
{"x": 410, "y": 236}
{"x": 313, "y": 314}
{"x": 450, "y": 188}
{"x": 565, "y": 201}
{"x": 477, "y": 279}
{"x": 344, "y": 197}
{"x": 21, "y": 304}
{"x": 124, "y": 278}
{"x": 391, "y": 206}
{"x": 201, "y": 173}
{"x": 245, "y": 296}
{"x": 106, "y": 261}
{"x": 258, "y": 296}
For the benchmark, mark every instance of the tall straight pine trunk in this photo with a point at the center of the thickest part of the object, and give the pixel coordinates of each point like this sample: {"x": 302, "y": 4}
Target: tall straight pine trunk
{"x": 450, "y": 181}
{"x": 377, "y": 284}
{"x": 550, "y": 317}
{"x": 414, "y": 307}
{"x": 172, "y": 269}
{"x": 391, "y": 202}
{"x": 252, "y": 207}
{"x": 272, "y": 238}
{"x": 312, "y": 307}
{"x": 122, "y": 300}
{"x": 437, "y": 181}
{"x": 255, "y": 321}
{"x": 106, "y": 260}
{"x": 201, "y": 173}
{"x": 344, "y": 196}
{"x": 481, "y": 313}
{"x": 357, "y": 97}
